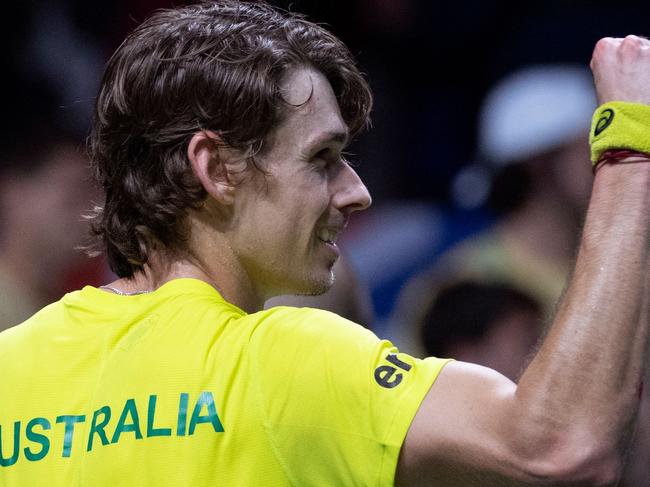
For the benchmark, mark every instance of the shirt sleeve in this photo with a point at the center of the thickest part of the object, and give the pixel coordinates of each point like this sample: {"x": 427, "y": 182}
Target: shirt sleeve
{"x": 336, "y": 401}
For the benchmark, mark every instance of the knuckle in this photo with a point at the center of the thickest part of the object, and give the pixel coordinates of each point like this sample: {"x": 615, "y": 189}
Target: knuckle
{"x": 606, "y": 45}
{"x": 631, "y": 42}
{"x": 602, "y": 50}
{"x": 603, "y": 43}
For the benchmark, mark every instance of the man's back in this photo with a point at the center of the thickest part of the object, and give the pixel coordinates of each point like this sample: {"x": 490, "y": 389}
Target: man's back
{"x": 194, "y": 391}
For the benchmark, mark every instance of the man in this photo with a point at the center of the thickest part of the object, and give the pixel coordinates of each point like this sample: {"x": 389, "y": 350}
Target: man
{"x": 218, "y": 141}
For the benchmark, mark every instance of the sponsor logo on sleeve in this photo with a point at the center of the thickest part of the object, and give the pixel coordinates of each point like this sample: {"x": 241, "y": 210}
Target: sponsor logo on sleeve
{"x": 389, "y": 376}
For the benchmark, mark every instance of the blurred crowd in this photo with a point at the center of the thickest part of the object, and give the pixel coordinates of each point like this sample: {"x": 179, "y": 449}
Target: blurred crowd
{"x": 480, "y": 174}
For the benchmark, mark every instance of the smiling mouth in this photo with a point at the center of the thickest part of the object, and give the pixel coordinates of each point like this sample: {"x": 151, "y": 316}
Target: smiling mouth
{"x": 328, "y": 235}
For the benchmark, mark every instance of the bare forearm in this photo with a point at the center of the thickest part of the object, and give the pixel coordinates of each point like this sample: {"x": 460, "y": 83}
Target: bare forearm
{"x": 586, "y": 376}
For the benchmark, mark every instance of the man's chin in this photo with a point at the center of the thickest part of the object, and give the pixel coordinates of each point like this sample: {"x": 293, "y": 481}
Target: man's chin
{"x": 317, "y": 288}
{"x": 313, "y": 286}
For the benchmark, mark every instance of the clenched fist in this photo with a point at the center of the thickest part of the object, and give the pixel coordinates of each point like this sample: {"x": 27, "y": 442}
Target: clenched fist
{"x": 621, "y": 69}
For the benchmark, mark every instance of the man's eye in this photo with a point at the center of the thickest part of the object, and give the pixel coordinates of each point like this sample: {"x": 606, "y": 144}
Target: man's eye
{"x": 323, "y": 154}
{"x": 327, "y": 159}
{"x": 324, "y": 158}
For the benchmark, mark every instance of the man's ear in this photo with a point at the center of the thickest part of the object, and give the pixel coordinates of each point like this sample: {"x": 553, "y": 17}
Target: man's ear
{"x": 218, "y": 168}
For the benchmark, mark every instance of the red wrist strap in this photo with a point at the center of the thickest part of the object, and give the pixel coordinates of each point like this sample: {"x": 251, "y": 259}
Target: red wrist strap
{"x": 617, "y": 156}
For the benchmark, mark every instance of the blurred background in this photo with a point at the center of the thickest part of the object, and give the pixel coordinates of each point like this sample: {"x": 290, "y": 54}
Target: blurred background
{"x": 477, "y": 162}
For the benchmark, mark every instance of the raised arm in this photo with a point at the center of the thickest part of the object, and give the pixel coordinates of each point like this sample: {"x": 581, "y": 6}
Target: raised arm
{"x": 569, "y": 420}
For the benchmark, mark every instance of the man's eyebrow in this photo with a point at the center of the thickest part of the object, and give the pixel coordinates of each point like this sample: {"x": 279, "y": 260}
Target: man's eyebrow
{"x": 338, "y": 136}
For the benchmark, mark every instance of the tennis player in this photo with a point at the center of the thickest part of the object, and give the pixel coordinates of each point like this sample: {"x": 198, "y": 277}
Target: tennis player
{"x": 218, "y": 141}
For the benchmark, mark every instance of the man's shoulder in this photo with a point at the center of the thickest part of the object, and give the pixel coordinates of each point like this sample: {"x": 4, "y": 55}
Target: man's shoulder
{"x": 309, "y": 324}
{"x": 26, "y": 332}
{"x": 295, "y": 315}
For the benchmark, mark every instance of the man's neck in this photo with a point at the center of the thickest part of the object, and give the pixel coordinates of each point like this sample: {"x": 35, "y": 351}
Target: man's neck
{"x": 225, "y": 279}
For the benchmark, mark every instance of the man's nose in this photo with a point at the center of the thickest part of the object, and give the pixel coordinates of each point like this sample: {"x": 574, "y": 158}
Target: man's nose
{"x": 350, "y": 193}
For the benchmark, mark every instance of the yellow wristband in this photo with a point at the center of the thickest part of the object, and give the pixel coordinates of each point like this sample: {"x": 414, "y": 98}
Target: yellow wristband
{"x": 620, "y": 125}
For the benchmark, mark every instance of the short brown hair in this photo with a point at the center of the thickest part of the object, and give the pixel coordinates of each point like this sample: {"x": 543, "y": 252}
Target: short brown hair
{"x": 210, "y": 66}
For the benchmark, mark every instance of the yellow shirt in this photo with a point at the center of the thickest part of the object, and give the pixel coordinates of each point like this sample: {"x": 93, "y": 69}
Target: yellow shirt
{"x": 181, "y": 388}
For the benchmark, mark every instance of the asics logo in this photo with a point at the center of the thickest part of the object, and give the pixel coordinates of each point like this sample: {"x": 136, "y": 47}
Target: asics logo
{"x": 606, "y": 118}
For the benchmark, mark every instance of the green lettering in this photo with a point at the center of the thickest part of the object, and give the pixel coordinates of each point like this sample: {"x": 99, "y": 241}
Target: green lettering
{"x": 206, "y": 399}
{"x": 182, "y": 414}
{"x": 69, "y": 430}
{"x": 8, "y": 462}
{"x": 151, "y": 412}
{"x": 98, "y": 427}
{"x": 129, "y": 410}
{"x": 39, "y": 438}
